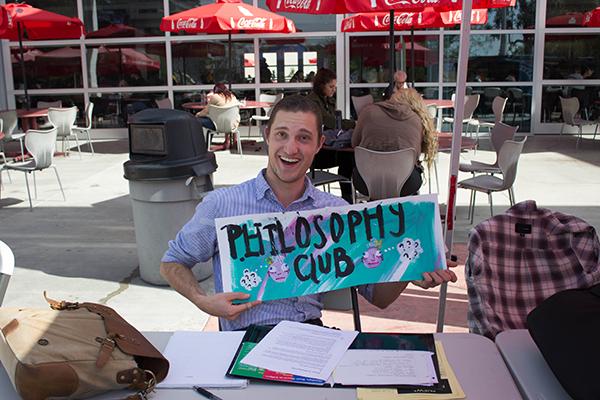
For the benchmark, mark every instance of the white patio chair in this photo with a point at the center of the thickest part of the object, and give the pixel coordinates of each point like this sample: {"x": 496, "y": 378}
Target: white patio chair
{"x": 384, "y": 183}
{"x": 7, "y": 266}
{"x": 41, "y": 145}
{"x": 43, "y": 122}
{"x": 89, "y": 110}
{"x": 499, "y": 134}
{"x": 498, "y": 105}
{"x": 267, "y": 98}
{"x": 227, "y": 122}
{"x": 508, "y": 160}
{"x": 3, "y": 157}
{"x": 64, "y": 119}
{"x": 361, "y": 102}
{"x": 9, "y": 126}
{"x": 471, "y": 103}
{"x": 570, "y": 112}
{"x": 164, "y": 103}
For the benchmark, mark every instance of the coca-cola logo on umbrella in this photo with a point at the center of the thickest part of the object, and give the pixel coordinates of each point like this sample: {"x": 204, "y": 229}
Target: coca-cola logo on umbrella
{"x": 251, "y": 23}
{"x": 392, "y": 3}
{"x": 297, "y": 4}
{"x": 189, "y": 23}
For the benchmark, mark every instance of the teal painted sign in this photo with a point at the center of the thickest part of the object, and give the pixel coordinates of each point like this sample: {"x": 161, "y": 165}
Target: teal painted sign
{"x": 280, "y": 255}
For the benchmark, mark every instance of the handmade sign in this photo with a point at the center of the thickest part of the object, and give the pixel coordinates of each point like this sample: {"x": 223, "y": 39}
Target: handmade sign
{"x": 280, "y": 255}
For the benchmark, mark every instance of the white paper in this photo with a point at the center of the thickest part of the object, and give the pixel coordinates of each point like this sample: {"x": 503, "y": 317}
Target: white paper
{"x": 201, "y": 358}
{"x": 301, "y": 349}
{"x": 386, "y": 367}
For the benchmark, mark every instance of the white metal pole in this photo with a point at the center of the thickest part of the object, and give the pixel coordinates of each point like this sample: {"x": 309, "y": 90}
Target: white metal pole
{"x": 459, "y": 107}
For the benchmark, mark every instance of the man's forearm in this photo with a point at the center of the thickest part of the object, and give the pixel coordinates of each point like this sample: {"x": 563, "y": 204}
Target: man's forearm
{"x": 385, "y": 294}
{"x": 182, "y": 279}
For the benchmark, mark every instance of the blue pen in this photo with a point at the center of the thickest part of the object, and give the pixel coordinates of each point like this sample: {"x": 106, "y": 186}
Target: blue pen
{"x": 206, "y": 393}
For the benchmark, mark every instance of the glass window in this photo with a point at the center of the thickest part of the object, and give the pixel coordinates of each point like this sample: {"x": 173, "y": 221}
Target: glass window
{"x": 111, "y": 110}
{"x": 64, "y": 7}
{"x": 67, "y": 100}
{"x": 588, "y": 97}
{"x": 123, "y": 18}
{"x": 569, "y": 56}
{"x": 176, "y": 6}
{"x": 521, "y": 16}
{"x": 296, "y": 59}
{"x": 567, "y": 13}
{"x": 140, "y": 65}
{"x": 47, "y": 67}
{"x": 492, "y": 58}
{"x": 307, "y": 22}
{"x": 369, "y": 58}
{"x": 207, "y": 62}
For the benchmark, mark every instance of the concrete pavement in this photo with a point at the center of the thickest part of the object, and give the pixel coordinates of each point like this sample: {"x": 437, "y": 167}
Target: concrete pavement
{"x": 83, "y": 249}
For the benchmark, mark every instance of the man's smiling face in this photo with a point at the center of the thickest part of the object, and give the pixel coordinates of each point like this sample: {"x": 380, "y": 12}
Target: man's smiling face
{"x": 293, "y": 140}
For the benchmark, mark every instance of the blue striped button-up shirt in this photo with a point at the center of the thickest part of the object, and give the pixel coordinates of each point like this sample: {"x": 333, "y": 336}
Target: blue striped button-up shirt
{"x": 197, "y": 242}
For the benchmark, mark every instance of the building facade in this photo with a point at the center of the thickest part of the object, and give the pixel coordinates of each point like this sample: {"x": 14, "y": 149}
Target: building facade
{"x": 533, "y": 54}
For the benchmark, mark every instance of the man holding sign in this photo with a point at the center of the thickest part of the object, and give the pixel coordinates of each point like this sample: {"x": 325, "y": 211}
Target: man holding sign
{"x": 293, "y": 135}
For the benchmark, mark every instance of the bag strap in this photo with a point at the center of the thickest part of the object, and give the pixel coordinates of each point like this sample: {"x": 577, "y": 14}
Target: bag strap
{"x": 125, "y": 336}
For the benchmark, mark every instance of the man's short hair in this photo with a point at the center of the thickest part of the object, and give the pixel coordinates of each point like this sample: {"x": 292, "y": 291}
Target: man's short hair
{"x": 297, "y": 103}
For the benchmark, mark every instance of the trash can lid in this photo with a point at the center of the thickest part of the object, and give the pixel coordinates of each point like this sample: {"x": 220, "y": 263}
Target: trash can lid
{"x": 160, "y": 170}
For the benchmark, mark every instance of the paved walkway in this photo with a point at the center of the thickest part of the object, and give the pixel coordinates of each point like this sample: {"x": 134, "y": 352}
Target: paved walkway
{"x": 83, "y": 249}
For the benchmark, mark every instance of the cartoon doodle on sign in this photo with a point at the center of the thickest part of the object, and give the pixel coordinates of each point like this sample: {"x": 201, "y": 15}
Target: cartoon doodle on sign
{"x": 372, "y": 257}
{"x": 249, "y": 279}
{"x": 408, "y": 250}
{"x": 277, "y": 270}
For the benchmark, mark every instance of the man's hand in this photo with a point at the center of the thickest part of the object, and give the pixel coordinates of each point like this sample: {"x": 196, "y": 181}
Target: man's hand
{"x": 436, "y": 278}
{"x": 221, "y": 304}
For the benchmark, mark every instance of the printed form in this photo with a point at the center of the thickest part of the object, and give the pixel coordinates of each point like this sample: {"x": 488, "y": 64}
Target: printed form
{"x": 301, "y": 349}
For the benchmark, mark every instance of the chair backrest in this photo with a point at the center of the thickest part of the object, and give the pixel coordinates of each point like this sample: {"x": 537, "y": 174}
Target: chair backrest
{"x": 164, "y": 103}
{"x": 89, "y": 110}
{"x": 226, "y": 119}
{"x": 48, "y": 104}
{"x": 269, "y": 98}
{"x": 471, "y": 103}
{"x": 7, "y": 266}
{"x": 570, "y": 108}
{"x": 432, "y": 110}
{"x": 9, "y": 123}
{"x": 501, "y": 133}
{"x": 63, "y": 119}
{"x": 498, "y": 105}
{"x": 508, "y": 160}
{"x": 41, "y": 145}
{"x": 515, "y": 93}
{"x": 387, "y": 182}
{"x": 360, "y": 102}
{"x": 491, "y": 92}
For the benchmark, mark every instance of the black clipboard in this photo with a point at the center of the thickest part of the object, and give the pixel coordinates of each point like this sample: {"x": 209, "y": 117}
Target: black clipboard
{"x": 367, "y": 341}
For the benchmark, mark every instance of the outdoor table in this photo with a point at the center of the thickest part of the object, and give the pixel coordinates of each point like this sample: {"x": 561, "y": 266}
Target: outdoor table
{"x": 440, "y": 105}
{"x": 248, "y": 105}
{"x": 445, "y": 142}
{"x": 29, "y": 117}
{"x": 474, "y": 359}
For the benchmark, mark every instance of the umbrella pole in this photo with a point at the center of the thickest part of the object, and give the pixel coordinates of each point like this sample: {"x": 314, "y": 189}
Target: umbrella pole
{"x": 392, "y": 55}
{"x": 229, "y": 73}
{"x": 22, "y": 62}
{"x": 412, "y": 56}
{"x": 459, "y": 108}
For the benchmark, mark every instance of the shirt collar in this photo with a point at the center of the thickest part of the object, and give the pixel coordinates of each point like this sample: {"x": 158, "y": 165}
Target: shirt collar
{"x": 263, "y": 187}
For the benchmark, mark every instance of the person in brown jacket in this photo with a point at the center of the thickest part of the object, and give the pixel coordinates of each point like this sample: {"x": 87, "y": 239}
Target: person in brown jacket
{"x": 399, "y": 123}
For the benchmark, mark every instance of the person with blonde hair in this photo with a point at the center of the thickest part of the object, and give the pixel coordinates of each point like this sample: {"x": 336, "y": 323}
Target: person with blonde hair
{"x": 399, "y": 123}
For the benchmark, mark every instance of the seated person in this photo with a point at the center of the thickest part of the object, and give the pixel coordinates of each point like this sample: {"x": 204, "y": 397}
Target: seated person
{"x": 322, "y": 94}
{"x": 398, "y": 123}
{"x": 399, "y": 83}
{"x": 221, "y": 97}
{"x": 294, "y": 136}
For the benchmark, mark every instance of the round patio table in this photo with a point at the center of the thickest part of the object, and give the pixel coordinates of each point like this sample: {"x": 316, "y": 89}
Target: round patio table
{"x": 29, "y": 117}
{"x": 250, "y": 104}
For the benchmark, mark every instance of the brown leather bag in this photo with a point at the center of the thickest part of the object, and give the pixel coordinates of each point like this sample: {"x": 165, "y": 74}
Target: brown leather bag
{"x": 76, "y": 350}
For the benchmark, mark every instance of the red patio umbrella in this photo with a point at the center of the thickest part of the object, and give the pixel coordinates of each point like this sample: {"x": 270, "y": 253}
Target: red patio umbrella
{"x": 115, "y": 30}
{"x": 367, "y": 6}
{"x": 227, "y": 16}
{"x": 592, "y": 18}
{"x": 566, "y": 20}
{"x": 22, "y": 20}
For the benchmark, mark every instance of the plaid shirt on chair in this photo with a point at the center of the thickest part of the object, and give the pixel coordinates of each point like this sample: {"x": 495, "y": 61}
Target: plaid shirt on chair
{"x": 518, "y": 259}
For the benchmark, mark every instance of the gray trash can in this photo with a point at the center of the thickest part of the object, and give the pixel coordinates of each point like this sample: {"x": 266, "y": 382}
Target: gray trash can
{"x": 169, "y": 171}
